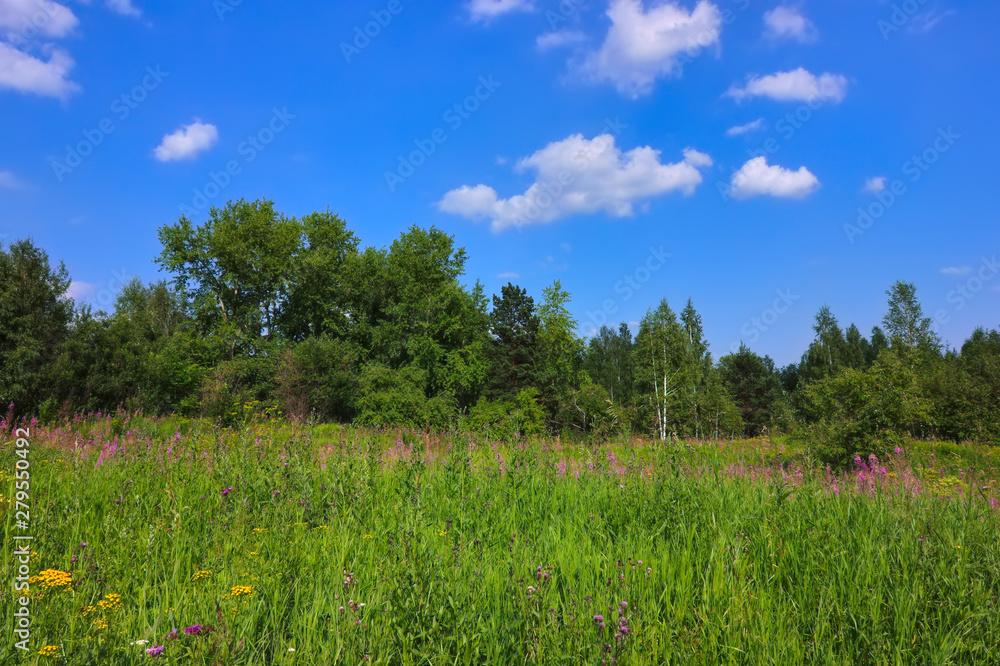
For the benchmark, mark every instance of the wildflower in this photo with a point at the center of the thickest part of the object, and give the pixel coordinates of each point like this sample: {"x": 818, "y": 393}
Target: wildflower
{"x": 173, "y": 634}
{"x": 194, "y": 630}
{"x": 140, "y": 642}
{"x": 241, "y": 591}
{"x": 156, "y": 651}
{"x": 366, "y": 536}
{"x": 49, "y": 651}
{"x": 111, "y": 602}
{"x": 202, "y": 575}
{"x": 54, "y": 579}
{"x": 291, "y": 649}
{"x": 227, "y": 491}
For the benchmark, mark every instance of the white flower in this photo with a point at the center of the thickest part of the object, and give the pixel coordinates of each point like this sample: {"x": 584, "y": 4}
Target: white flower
{"x": 139, "y": 642}
{"x": 291, "y": 649}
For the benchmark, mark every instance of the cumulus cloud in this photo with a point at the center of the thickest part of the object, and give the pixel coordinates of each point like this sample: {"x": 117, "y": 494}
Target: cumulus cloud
{"x": 956, "y": 270}
{"x": 739, "y": 130}
{"x": 798, "y": 85}
{"x": 642, "y": 46}
{"x": 756, "y": 178}
{"x": 187, "y": 142}
{"x": 123, "y": 7}
{"x": 579, "y": 176}
{"x": 551, "y": 40}
{"x": 485, "y": 10}
{"x": 23, "y": 19}
{"x": 8, "y": 181}
{"x": 875, "y": 185}
{"x": 26, "y": 73}
{"x": 788, "y": 22}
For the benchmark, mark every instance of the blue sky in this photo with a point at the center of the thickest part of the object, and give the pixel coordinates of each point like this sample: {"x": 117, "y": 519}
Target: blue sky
{"x": 590, "y": 140}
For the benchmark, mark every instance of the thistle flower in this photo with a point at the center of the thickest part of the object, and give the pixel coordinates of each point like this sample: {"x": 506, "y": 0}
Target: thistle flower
{"x": 194, "y": 630}
{"x": 156, "y": 651}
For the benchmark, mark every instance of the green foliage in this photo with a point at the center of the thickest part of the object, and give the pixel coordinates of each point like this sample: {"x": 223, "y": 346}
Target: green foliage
{"x": 318, "y": 379}
{"x": 390, "y": 398}
{"x": 866, "y": 412}
{"x": 507, "y": 420}
{"x": 34, "y": 320}
{"x": 755, "y": 387}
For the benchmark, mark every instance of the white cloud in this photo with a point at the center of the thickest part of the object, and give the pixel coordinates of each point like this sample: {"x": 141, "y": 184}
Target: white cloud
{"x": 8, "y": 181}
{"x": 956, "y": 270}
{"x": 642, "y": 46}
{"x": 787, "y": 22}
{"x": 187, "y": 142}
{"x": 551, "y": 40}
{"x": 756, "y": 178}
{"x": 80, "y": 290}
{"x": 746, "y": 129}
{"x": 508, "y": 276}
{"x": 795, "y": 86}
{"x": 580, "y": 176}
{"x": 484, "y": 10}
{"x": 25, "y": 73}
{"x": 875, "y": 185}
{"x": 123, "y": 7}
{"x": 26, "y": 18}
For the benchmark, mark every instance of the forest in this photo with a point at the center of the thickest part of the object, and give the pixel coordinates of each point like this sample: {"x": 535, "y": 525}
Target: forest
{"x": 273, "y": 316}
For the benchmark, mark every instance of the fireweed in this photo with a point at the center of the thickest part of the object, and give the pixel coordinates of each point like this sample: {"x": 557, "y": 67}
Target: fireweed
{"x": 387, "y": 547}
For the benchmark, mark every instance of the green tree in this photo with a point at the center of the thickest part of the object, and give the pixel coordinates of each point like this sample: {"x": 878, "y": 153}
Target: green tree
{"x": 908, "y": 329}
{"x": 513, "y": 350}
{"x": 755, "y": 386}
{"x": 661, "y": 363}
{"x": 235, "y": 268}
{"x": 34, "y": 320}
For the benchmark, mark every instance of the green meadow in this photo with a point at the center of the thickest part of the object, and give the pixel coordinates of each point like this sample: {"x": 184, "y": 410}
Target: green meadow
{"x": 174, "y": 541}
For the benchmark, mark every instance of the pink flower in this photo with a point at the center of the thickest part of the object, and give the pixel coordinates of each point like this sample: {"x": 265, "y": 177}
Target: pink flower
{"x": 156, "y": 651}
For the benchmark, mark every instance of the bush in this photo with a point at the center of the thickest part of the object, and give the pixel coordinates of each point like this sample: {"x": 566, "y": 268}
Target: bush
{"x": 507, "y": 419}
{"x": 319, "y": 378}
{"x": 858, "y": 413}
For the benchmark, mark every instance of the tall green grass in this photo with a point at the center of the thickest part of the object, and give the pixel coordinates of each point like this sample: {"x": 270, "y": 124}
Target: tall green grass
{"x": 468, "y": 552}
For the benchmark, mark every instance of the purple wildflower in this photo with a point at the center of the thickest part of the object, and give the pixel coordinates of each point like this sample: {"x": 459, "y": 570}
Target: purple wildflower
{"x": 156, "y": 651}
{"x": 227, "y": 491}
{"x": 193, "y": 630}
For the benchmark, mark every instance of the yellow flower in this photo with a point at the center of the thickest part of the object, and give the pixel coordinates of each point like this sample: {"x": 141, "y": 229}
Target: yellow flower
{"x": 52, "y": 579}
{"x": 111, "y": 603}
{"x": 253, "y": 552}
{"x": 202, "y": 575}
{"x": 367, "y": 536}
{"x": 241, "y": 591}
{"x": 49, "y": 651}
{"x": 100, "y": 624}
{"x": 87, "y": 610}
{"x": 442, "y": 533}
{"x": 259, "y": 530}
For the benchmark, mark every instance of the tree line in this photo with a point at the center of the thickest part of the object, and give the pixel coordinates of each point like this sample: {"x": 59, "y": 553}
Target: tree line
{"x": 269, "y": 314}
